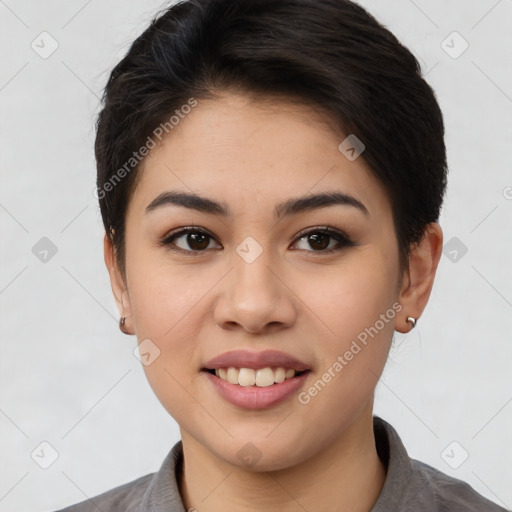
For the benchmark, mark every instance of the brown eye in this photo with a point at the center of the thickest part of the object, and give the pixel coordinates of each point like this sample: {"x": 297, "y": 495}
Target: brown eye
{"x": 197, "y": 241}
{"x": 193, "y": 240}
{"x": 320, "y": 239}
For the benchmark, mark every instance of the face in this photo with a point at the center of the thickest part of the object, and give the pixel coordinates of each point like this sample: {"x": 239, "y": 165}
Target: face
{"x": 256, "y": 281}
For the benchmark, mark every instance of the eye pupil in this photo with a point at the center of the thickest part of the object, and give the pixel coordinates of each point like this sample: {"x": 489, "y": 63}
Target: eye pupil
{"x": 322, "y": 236}
{"x": 197, "y": 237}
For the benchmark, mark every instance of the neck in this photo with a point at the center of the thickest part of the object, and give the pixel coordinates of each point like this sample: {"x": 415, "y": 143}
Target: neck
{"x": 346, "y": 475}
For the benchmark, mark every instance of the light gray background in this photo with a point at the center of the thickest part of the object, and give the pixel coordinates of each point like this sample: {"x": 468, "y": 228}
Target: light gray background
{"x": 68, "y": 375}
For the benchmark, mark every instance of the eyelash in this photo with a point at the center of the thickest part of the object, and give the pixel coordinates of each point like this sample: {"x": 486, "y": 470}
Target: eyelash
{"x": 342, "y": 238}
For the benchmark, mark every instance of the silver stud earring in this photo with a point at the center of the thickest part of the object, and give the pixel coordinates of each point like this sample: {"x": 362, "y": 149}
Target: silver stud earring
{"x": 412, "y": 321}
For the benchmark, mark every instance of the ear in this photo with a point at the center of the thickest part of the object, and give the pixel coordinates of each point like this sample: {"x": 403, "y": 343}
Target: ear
{"x": 419, "y": 278}
{"x": 117, "y": 282}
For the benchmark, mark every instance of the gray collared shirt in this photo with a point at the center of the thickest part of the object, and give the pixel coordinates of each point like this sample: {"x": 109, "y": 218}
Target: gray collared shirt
{"x": 410, "y": 485}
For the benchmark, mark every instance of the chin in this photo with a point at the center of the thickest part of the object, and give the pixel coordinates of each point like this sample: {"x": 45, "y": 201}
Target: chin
{"x": 258, "y": 453}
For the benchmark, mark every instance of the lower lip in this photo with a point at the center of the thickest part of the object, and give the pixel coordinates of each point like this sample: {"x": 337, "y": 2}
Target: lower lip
{"x": 254, "y": 397}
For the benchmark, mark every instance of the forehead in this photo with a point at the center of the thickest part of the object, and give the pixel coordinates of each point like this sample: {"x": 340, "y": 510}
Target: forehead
{"x": 246, "y": 151}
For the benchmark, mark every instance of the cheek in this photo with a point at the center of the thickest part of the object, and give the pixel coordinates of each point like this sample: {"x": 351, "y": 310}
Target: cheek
{"x": 165, "y": 308}
{"x": 353, "y": 349}
{"x": 163, "y": 292}
{"x": 350, "y": 297}
{"x": 356, "y": 310}
{"x": 167, "y": 304}
{"x": 171, "y": 304}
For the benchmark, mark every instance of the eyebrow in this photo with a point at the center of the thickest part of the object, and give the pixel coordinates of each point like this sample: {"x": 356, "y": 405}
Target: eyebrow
{"x": 289, "y": 207}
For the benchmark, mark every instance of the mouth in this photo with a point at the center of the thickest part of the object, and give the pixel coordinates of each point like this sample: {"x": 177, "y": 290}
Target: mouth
{"x": 255, "y": 388}
{"x": 255, "y": 377}
{"x": 256, "y": 380}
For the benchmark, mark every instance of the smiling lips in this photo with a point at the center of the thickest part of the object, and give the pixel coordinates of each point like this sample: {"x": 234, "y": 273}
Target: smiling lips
{"x": 255, "y": 380}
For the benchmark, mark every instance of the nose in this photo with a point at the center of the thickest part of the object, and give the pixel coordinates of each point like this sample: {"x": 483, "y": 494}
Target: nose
{"x": 256, "y": 297}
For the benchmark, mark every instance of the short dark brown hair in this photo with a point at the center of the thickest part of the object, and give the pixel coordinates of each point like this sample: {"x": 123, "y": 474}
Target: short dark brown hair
{"x": 331, "y": 53}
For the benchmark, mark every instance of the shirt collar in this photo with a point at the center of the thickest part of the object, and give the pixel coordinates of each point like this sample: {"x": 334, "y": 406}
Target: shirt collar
{"x": 398, "y": 465}
{"x": 163, "y": 494}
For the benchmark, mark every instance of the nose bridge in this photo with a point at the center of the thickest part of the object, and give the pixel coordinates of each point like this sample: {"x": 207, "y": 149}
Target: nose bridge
{"x": 252, "y": 273}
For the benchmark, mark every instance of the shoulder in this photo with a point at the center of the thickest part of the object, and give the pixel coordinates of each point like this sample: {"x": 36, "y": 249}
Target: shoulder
{"x": 413, "y": 486}
{"x": 124, "y": 498}
{"x": 449, "y": 494}
{"x": 154, "y": 491}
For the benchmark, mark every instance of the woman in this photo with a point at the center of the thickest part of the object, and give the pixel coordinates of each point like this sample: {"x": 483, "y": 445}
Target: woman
{"x": 270, "y": 177}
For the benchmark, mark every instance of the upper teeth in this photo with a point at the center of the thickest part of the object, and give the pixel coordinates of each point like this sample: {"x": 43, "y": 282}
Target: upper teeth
{"x": 262, "y": 377}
